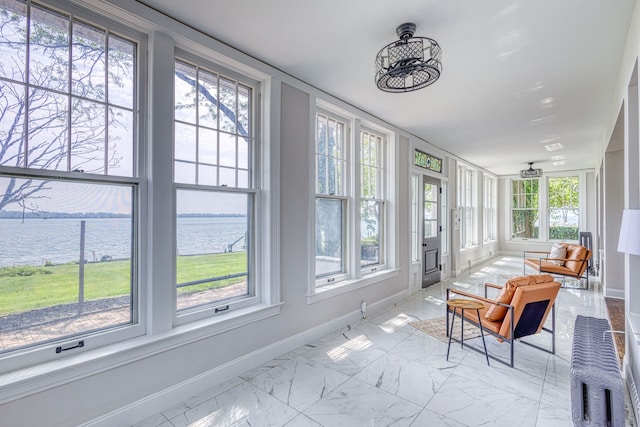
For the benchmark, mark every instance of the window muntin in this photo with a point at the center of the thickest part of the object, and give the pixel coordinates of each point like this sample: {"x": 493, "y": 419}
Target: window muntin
{"x": 331, "y": 199}
{"x": 215, "y": 190}
{"x": 563, "y": 206}
{"x": 70, "y": 105}
{"x": 213, "y": 136}
{"x": 330, "y": 155}
{"x": 525, "y": 221}
{"x": 78, "y": 115}
{"x": 372, "y": 203}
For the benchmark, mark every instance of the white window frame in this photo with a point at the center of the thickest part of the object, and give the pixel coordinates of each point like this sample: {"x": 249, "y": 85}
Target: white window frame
{"x": 467, "y": 202}
{"x": 543, "y": 202}
{"x": 548, "y": 208}
{"x": 158, "y": 328}
{"x": 257, "y": 293}
{"x": 379, "y": 197}
{"x": 356, "y": 277}
{"x": 344, "y": 194}
{"x": 96, "y": 339}
{"x": 490, "y": 209}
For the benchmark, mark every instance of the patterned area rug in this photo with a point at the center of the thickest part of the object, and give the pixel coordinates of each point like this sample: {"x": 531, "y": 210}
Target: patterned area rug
{"x": 437, "y": 328}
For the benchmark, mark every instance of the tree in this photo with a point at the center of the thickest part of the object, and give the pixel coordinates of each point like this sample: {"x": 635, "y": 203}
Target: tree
{"x": 564, "y": 197}
{"x": 564, "y": 200}
{"x": 70, "y": 105}
{"x": 54, "y": 112}
{"x": 524, "y": 208}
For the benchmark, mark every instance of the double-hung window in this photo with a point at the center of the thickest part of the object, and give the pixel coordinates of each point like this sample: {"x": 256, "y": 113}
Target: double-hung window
{"x": 216, "y": 188}
{"x": 69, "y": 181}
{"x": 331, "y": 198}
{"x": 525, "y": 217}
{"x": 372, "y": 199}
{"x": 490, "y": 212}
{"x": 350, "y": 201}
{"x": 467, "y": 204}
{"x": 563, "y": 207}
{"x": 546, "y": 209}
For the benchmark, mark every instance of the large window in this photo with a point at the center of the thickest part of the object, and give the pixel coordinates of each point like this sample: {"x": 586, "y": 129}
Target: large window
{"x": 69, "y": 186}
{"x": 467, "y": 203}
{"x": 350, "y": 225}
{"x": 372, "y": 202}
{"x": 525, "y": 216}
{"x": 563, "y": 207}
{"x": 331, "y": 200}
{"x": 545, "y": 209}
{"x": 215, "y": 191}
{"x": 490, "y": 211}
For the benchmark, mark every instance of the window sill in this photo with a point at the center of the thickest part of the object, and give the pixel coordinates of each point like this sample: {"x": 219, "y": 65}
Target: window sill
{"x": 38, "y": 378}
{"x": 340, "y": 288}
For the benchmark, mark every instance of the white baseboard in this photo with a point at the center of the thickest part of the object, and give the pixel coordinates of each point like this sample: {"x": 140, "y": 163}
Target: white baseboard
{"x": 517, "y": 254}
{"x": 164, "y": 399}
{"x": 614, "y": 293}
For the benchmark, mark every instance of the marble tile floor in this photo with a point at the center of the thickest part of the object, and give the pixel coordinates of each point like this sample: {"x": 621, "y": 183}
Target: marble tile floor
{"x": 380, "y": 371}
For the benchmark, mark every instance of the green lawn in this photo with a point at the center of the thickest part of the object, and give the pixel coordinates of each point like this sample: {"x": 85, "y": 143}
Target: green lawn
{"x": 27, "y": 288}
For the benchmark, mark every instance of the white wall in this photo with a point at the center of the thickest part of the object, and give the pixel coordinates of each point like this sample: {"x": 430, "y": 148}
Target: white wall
{"x": 613, "y": 200}
{"x": 628, "y": 78}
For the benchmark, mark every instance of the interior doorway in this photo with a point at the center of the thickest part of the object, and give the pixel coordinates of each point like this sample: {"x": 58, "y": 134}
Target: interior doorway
{"x": 431, "y": 230}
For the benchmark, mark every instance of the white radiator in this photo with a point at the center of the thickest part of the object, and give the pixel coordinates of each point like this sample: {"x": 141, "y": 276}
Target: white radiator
{"x": 597, "y": 389}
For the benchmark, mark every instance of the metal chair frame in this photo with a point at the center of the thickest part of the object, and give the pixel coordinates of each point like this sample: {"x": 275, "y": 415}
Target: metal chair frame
{"x": 512, "y": 337}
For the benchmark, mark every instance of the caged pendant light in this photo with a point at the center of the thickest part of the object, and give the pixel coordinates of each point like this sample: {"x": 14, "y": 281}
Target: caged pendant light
{"x": 408, "y": 64}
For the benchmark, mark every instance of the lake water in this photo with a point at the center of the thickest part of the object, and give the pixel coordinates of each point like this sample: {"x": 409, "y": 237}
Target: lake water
{"x": 57, "y": 240}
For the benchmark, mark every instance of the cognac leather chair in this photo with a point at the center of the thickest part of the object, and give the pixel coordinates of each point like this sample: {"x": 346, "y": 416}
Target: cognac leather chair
{"x": 521, "y": 309}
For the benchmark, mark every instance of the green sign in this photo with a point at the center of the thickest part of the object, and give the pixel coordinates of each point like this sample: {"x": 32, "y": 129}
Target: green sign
{"x": 427, "y": 161}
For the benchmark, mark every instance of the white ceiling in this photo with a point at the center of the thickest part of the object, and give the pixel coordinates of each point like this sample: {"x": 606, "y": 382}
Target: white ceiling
{"x": 517, "y": 75}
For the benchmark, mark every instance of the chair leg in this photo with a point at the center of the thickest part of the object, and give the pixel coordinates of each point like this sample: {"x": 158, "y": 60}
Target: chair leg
{"x": 451, "y": 330}
{"x": 484, "y": 344}
{"x": 553, "y": 328}
{"x": 461, "y": 328}
{"x": 513, "y": 340}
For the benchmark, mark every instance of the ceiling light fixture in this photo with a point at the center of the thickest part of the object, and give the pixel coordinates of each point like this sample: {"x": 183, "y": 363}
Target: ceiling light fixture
{"x": 410, "y": 63}
{"x": 553, "y": 147}
{"x": 531, "y": 172}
